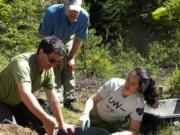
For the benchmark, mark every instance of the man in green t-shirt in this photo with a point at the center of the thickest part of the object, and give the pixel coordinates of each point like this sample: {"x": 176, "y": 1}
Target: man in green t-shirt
{"x": 26, "y": 74}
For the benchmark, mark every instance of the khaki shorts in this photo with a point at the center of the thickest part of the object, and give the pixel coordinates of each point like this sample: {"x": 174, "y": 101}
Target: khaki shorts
{"x": 64, "y": 78}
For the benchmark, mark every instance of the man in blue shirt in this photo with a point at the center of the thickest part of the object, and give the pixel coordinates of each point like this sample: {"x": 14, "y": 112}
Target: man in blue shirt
{"x": 68, "y": 21}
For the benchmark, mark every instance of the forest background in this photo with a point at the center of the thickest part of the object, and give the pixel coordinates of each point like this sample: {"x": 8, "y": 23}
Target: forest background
{"x": 122, "y": 34}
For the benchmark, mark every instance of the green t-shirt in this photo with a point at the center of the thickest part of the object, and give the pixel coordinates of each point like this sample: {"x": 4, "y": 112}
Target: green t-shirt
{"x": 23, "y": 68}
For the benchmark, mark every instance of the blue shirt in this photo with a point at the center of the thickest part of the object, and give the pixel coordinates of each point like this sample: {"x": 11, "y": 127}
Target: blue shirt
{"x": 56, "y": 23}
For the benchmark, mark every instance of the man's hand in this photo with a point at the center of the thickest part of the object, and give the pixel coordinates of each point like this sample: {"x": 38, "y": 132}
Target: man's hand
{"x": 68, "y": 129}
{"x": 70, "y": 64}
{"x": 50, "y": 124}
{"x": 84, "y": 121}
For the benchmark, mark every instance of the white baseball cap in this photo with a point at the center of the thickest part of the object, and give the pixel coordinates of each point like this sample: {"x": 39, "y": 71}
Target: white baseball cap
{"x": 73, "y": 4}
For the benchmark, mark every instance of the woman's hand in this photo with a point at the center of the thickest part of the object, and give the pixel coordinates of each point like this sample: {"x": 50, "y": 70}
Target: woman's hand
{"x": 84, "y": 121}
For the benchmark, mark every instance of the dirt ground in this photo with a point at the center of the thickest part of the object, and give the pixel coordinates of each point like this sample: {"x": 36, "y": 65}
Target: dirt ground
{"x": 13, "y": 129}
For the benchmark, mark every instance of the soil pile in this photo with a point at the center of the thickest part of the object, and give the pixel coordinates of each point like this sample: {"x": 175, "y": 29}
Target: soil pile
{"x": 13, "y": 129}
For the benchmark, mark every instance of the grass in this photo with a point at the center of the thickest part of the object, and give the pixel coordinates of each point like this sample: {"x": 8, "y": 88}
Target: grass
{"x": 169, "y": 129}
{"x": 73, "y": 117}
{"x": 70, "y": 117}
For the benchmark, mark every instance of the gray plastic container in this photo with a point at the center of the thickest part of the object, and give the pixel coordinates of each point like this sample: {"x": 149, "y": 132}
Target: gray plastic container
{"x": 167, "y": 112}
{"x": 168, "y": 108}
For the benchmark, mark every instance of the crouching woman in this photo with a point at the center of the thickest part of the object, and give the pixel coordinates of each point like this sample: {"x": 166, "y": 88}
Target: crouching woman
{"x": 119, "y": 98}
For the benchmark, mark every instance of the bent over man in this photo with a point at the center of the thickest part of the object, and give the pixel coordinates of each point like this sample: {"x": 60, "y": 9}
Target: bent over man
{"x": 26, "y": 74}
{"x": 68, "y": 21}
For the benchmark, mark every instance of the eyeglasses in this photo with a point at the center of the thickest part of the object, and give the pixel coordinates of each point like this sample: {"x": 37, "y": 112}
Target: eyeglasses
{"x": 53, "y": 61}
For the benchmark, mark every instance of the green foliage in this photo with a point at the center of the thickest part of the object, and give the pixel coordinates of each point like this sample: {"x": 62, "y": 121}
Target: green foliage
{"x": 163, "y": 54}
{"x": 173, "y": 81}
{"x": 159, "y": 12}
{"x": 170, "y": 10}
{"x": 95, "y": 59}
{"x": 157, "y": 55}
{"x": 2, "y": 62}
{"x": 169, "y": 129}
{"x": 19, "y": 26}
{"x": 125, "y": 60}
{"x": 127, "y": 34}
{"x": 107, "y": 14}
{"x": 133, "y": 22}
{"x": 176, "y": 78}
{"x": 162, "y": 57}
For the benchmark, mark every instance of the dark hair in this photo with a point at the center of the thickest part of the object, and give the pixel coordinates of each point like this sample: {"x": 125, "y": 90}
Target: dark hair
{"x": 147, "y": 85}
{"x": 52, "y": 44}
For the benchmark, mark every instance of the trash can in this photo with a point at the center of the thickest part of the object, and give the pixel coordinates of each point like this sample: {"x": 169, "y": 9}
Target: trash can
{"x": 89, "y": 131}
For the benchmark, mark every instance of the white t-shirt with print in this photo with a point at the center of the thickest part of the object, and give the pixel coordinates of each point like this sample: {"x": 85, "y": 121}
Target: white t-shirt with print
{"x": 114, "y": 106}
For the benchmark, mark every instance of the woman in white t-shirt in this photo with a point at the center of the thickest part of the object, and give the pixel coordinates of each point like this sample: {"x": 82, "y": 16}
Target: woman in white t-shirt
{"x": 119, "y": 98}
